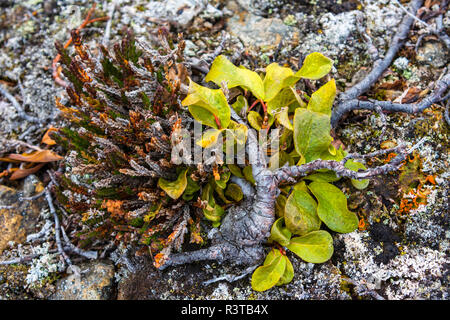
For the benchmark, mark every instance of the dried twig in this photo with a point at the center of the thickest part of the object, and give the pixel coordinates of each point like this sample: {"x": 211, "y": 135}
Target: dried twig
{"x": 348, "y": 100}
{"x": 87, "y": 254}
{"x": 20, "y": 111}
{"x": 87, "y": 21}
{"x": 290, "y": 173}
{"x": 231, "y": 277}
{"x": 48, "y": 197}
{"x": 20, "y": 260}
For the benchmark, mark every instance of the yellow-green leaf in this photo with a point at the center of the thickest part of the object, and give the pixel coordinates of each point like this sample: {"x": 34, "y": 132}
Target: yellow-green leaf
{"x": 355, "y": 166}
{"x": 207, "y": 104}
{"x": 241, "y": 103}
{"x": 213, "y": 211}
{"x": 223, "y": 70}
{"x": 255, "y": 120}
{"x": 224, "y": 177}
{"x": 300, "y": 213}
{"x": 248, "y": 174}
{"x": 279, "y": 233}
{"x": 315, "y": 66}
{"x": 234, "y": 192}
{"x": 332, "y": 208}
{"x": 235, "y": 170}
{"x": 322, "y": 100}
{"x": 279, "y": 205}
{"x": 314, "y": 247}
{"x": 191, "y": 188}
{"x": 174, "y": 189}
{"x": 288, "y": 274}
{"x": 283, "y": 118}
{"x": 274, "y": 80}
{"x": 311, "y": 133}
{"x": 323, "y": 175}
{"x": 209, "y": 138}
{"x": 268, "y": 275}
{"x": 287, "y": 97}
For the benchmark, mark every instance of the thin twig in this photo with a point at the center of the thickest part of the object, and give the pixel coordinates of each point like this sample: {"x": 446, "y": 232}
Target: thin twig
{"x": 20, "y": 260}
{"x": 20, "y": 111}
{"x": 231, "y": 277}
{"x": 109, "y": 23}
{"x": 290, "y": 173}
{"x": 348, "y": 100}
{"x": 48, "y": 197}
{"x": 87, "y": 254}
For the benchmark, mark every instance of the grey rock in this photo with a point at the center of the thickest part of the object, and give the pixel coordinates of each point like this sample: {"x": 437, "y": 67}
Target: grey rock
{"x": 433, "y": 54}
{"x": 179, "y": 11}
{"x": 256, "y": 31}
{"x": 95, "y": 282}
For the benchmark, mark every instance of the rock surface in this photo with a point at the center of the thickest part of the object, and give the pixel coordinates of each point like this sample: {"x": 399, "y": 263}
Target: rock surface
{"x": 96, "y": 282}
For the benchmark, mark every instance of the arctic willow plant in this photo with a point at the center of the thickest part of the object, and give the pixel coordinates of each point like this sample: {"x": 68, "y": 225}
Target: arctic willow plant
{"x": 122, "y": 182}
{"x": 304, "y": 124}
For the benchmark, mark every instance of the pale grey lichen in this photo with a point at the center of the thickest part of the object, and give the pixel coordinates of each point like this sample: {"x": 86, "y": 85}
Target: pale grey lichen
{"x": 46, "y": 264}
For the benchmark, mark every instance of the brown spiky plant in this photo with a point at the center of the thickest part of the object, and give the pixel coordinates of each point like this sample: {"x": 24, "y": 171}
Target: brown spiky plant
{"x": 122, "y": 107}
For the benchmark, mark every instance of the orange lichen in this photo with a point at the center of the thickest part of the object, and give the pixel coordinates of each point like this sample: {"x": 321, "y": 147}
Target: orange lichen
{"x": 361, "y": 225}
{"x": 413, "y": 199}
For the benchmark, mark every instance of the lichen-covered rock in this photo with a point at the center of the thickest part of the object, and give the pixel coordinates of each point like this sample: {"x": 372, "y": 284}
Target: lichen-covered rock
{"x": 95, "y": 282}
{"x": 181, "y": 12}
{"x": 417, "y": 273}
{"x": 433, "y": 54}
{"x": 256, "y": 31}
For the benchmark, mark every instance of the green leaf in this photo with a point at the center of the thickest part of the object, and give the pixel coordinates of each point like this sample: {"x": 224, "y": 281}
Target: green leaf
{"x": 287, "y": 97}
{"x": 279, "y": 233}
{"x": 205, "y": 104}
{"x": 248, "y": 174}
{"x": 191, "y": 188}
{"x": 212, "y": 212}
{"x": 174, "y": 188}
{"x": 268, "y": 275}
{"x": 278, "y": 159}
{"x": 322, "y": 100}
{"x": 315, "y": 66}
{"x": 333, "y": 154}
{"x": 301, "y": 186}
{"x": 235, "y": 170}
{"x": 288, "y": 274}
{"x": 300, "y": 213}
{"x": 332, "y": 209}
{"x": 323, "y": 175}
{"x": 275, "y": 80}
{"x": 279, "y": 205}
{"x": 241, "y": 103}
{"x": 283, "y": 118}
{"x": 355, "y": 166}
{"x": 255, "y": 120}
{"x": 224, "y": 177}
{"x": 234, "y": 192}
{"x": 223, "y": 70}
{"x": 314, "y": 247}
{"x": 311, "y": 133}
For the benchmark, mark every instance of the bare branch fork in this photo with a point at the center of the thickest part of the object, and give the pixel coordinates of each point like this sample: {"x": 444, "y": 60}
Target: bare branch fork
{"x": 348, "y": 100}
